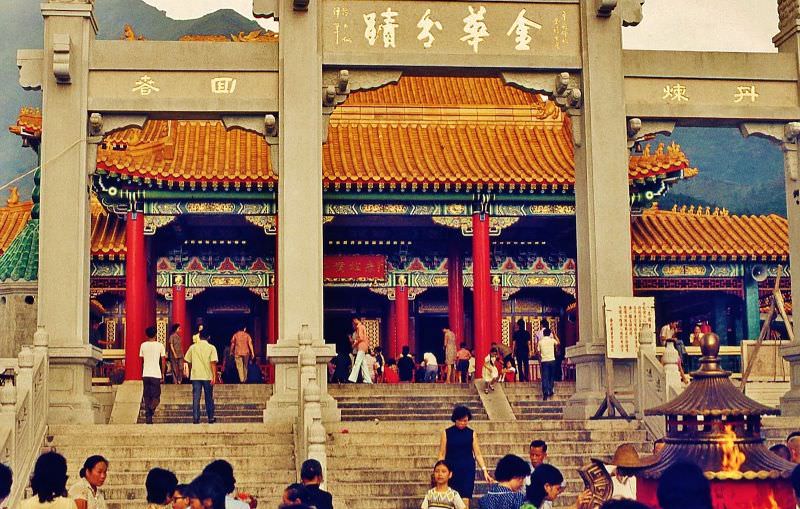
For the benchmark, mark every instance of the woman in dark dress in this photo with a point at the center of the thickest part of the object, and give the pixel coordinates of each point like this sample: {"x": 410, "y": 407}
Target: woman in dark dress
{"x": 459, "y": 447}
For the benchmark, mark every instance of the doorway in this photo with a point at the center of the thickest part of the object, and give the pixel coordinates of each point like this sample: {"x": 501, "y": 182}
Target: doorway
{"x": 429, "y": 335}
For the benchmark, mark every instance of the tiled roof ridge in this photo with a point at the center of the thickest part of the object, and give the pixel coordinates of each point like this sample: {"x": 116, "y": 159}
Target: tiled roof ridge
{"x": 699, "y": 210}
{"x": 20, "y": 262}
{"x": 29, "y": 122}
{"x": 259, "y": 35}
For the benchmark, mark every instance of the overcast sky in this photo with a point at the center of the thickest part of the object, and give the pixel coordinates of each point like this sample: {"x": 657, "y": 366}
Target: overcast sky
{"x": 709, "y": 25}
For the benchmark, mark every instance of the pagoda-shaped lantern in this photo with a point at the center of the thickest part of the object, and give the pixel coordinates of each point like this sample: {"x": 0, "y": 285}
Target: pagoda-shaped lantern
{"x": 714, "y": 425}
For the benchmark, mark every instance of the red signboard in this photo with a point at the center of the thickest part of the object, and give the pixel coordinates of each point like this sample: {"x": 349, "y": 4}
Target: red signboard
{"x": 354, "y": 268}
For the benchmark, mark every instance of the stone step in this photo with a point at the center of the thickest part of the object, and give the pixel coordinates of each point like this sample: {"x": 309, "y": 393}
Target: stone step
{"x": 521, "y": 436}
{"x": 249, "y": 478}
{"x": 139, "y": 450}
{"x": 101, "y": 431}
{"x": 423, "y": 428}
{"x": 193, "y": 465}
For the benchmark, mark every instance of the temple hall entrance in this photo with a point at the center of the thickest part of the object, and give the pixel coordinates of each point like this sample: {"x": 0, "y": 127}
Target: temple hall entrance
{"x": 430, "y": 337}
{"x": 224, "y": 310}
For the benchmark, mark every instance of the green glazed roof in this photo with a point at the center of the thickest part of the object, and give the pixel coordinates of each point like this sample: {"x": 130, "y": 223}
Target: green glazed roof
{"x": 20, "y": 262}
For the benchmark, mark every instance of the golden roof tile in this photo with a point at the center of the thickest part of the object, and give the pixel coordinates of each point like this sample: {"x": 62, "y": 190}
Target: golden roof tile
{"x": 187, "y": 150}
{"x": 108, "y": 232}
{"x": 705, "y": 234}
{"x": 13, "y": 218}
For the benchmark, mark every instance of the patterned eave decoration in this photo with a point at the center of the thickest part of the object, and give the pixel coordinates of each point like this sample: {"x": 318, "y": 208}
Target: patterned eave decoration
{"x": 29, "y": 123}
{"x": 705, "y": 235}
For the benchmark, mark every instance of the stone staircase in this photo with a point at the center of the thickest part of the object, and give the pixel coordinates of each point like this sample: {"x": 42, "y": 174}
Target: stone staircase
{"x": 776, "y": 429}
{"x": 232, "y": 402}
{"x": 262, "y": 455}
{"x": 387, "y": 465}
{"x": 405, "y": 402}
{"x": 526, "y": 400}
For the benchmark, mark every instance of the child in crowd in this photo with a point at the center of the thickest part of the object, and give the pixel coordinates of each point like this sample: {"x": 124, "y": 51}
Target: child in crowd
{"x": 509, "y": 372}
{"x": 490, "y": 374}
{"x": 441, "y": 495}
{"x": 380, "y": 364}
{"x": 370, "y": 362}
{"x": 180, "y": 497}
{"x": 390, "y": 373}
{"x": 471, "y": 366}
{"x": 462, "y": 362}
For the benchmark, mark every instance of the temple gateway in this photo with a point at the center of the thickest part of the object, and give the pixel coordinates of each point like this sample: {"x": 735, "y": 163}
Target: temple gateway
{"x": 420, "y": 166}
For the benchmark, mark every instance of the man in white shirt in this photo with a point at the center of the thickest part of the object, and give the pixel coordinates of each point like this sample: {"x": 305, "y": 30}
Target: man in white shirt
{"x": 667, "y": 332}
{"x": 431, "y": 366}
{"x": 547, "y": 352}
{"x": 153, "y": 354}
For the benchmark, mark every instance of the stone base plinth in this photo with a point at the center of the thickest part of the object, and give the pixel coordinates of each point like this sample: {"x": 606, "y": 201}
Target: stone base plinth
{"x": 70, "y": 385}
{"x": 283, "y": 405}
{"x": 590, "y": 381}
{"x": 790, "y": 402}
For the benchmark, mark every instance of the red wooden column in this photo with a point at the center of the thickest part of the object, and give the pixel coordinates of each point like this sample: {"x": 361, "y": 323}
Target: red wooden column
{"x": 481, "y": 288}
{"x": 272, "y": 329}
{"x": 179, "y": 316}
{"x": 497, "y": 311}
{"x": 135, "y": 294}
{"x": 393, "y": 350}
{"x": 401, "y": 313}
{"x": 455, "y": 291}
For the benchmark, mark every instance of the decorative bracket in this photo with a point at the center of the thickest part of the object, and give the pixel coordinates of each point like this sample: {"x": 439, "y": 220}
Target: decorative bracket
{"x": 785, "y": 134}
{"x": 507, "y": 292}
{"x": 29, "y": 62}
{"x": 268, "y": 223}
{"x": 262, "y": 292}
{"x": 631, "y": 13}
{"x": 153, "y": 223}
{"x": 191, "y": 293}
{"x": 496, "y": 224}
{"x": 266, "y": 9}
{"x": 62, "y": 58}
{"x": 605, "y": 7}
{"x": 390, "y": 293}
{"x": 337, "y": 86}
{"x": 642, "y": 130}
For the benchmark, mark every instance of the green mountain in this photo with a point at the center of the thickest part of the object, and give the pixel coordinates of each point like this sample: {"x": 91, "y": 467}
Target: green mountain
{"x": 21, "y": 26}
{"x": 743, "y": 175}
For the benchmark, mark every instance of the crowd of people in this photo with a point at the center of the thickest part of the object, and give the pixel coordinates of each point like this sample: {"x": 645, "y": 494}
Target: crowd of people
{"x": 213, "y": 488}
{"x": 515, "y": 483}
{"x": 504, "y": 364}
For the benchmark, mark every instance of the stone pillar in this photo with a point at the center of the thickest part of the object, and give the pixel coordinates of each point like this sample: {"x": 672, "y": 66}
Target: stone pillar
{"x": 272, "y": 327}
{"x": 135, "y": 294}
{"x": 790, "y": 402}
{"x": 497, "y": 310}
{"x": 481, "y": 287}
{"x": 179, "y": 316}
{"x": 455, "y": 291}
{"x": 64, "y": 249}
{"x": 392, "y": 349}
{"x": 752, "y": 326}
{"x": 602, "y": 213}
{"x": 299, "y": 240}
{"x": 401, "y": 310}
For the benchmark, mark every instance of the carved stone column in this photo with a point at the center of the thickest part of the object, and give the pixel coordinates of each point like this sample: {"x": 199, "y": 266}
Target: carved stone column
{"x": 64, "y": 252}
{"x": 299, "y": 249}
{"x": 790, "y": 402}
{"x": 602, "y": 213}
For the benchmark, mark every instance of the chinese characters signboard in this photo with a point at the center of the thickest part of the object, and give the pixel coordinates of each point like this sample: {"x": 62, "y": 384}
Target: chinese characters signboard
{"x": 625, "y": 318}
{"x": 354, "y": 268}
{"x": 426, "y": 30}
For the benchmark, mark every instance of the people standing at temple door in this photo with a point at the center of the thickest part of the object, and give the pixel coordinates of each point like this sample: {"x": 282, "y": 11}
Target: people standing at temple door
{"x": 341, "y": 364}
{"x": 361, "y": 345}
{"x": 431, "y": 367}
{"x": 229, "y": 373}
{"x": 406, "y": 366}
{"x": 175, "y": 353}
{"x": 490, "y": 374}
{"x": 509, "y": 372}
{"x": 503, "y": 352}
{"x": 522, "y": 350}
{"x": 668, "y": 331}
{"x": 242, "y": 350}
{"x": 459, "y": 447}
{"x": 196, "y": 335}
{"x": 390, "y": 373}
{"x": 450, "y": 352}
{"x": 471, "y": 366}
{"x": 547, "y": 352}
{"x": 202, "y": 360}
{"x": 696, "y": 337}
{"x": 153, "y": 354}
{"x": 462, "y": 362}
{"x": 380, "y": 364}
{"x": 371, "y": 363}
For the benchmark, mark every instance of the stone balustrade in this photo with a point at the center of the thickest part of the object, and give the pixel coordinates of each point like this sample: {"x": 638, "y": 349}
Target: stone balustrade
{"x": 24, "y": 406}
{"x": 310, "y": 434}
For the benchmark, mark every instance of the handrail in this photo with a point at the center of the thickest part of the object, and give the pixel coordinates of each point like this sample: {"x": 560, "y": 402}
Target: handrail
{"x": 23, "y": 413}
{"x": 311, "y": 433}
{"x": 657, "y": 381}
